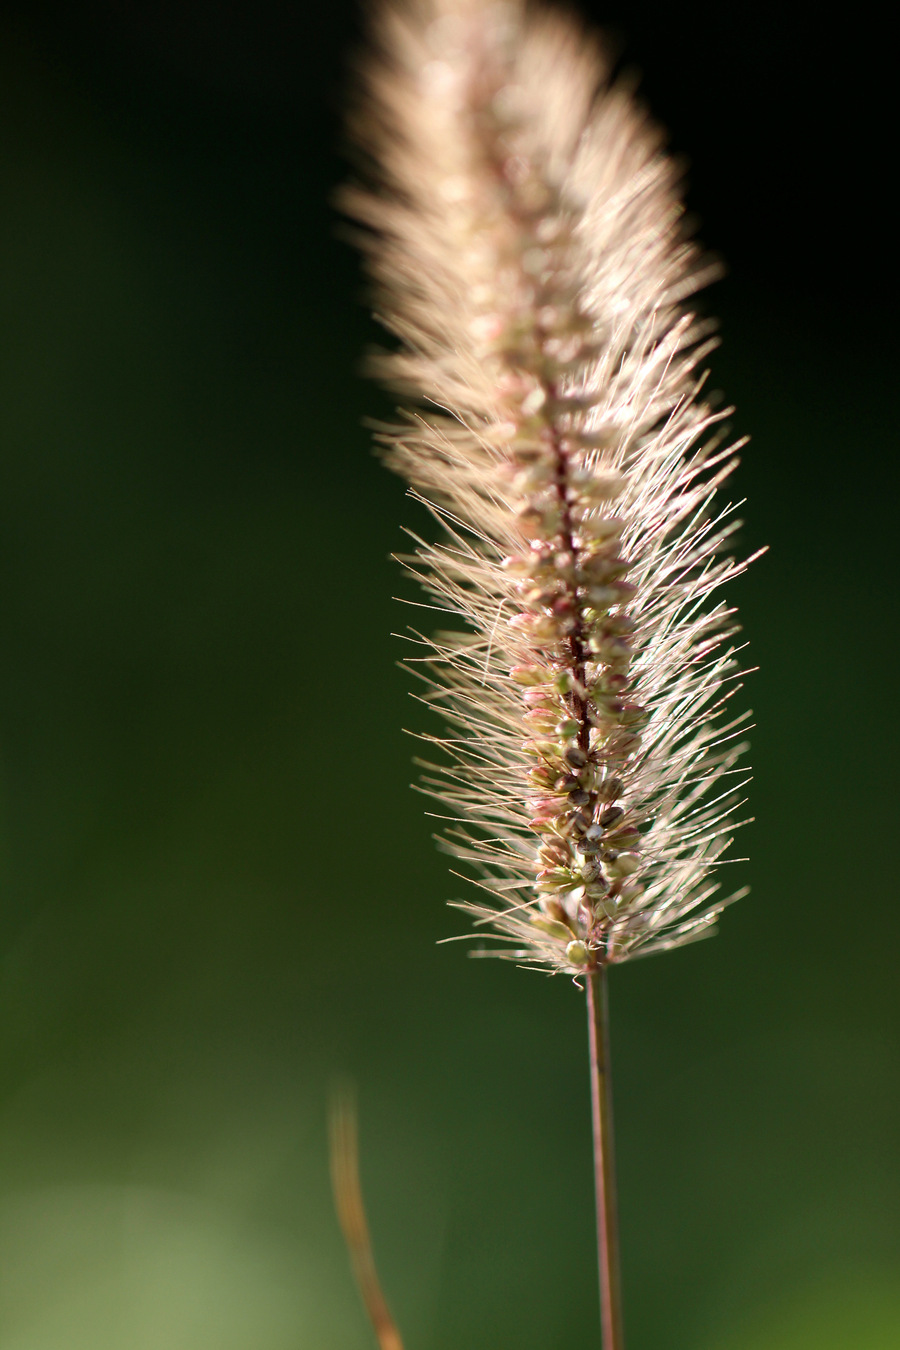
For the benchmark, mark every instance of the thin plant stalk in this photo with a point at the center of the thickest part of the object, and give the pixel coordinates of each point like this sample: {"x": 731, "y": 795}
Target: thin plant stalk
{"x": 604, "y": 1161}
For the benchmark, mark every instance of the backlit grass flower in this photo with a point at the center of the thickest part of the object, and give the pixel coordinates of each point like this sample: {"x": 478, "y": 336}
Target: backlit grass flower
{"x": 524, "y": 233}
{"x": 523, "y": 229}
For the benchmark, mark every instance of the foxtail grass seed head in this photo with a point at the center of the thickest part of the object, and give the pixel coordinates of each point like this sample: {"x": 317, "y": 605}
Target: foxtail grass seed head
{"x": 523, "y": 230}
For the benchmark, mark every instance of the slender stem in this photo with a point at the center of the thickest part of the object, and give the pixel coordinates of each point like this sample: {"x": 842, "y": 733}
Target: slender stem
{"x": 604, "y": 1162}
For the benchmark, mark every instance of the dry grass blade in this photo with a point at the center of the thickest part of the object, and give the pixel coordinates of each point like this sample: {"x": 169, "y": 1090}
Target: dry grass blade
{"x": 348, "y": 1200}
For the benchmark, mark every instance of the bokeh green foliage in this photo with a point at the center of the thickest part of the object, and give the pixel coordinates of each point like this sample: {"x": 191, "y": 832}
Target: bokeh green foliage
{"x": 217, "y": 891}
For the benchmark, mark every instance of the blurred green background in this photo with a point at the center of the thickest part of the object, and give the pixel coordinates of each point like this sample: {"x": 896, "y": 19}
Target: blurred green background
{"x": 216, "y": 890}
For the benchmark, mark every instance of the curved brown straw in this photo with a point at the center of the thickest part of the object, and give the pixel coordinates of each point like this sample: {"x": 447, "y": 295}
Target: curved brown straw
{"x": 348, "y": 1201}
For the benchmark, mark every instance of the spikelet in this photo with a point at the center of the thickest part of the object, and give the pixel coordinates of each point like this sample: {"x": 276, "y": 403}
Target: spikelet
{"x": 522, "y": 227}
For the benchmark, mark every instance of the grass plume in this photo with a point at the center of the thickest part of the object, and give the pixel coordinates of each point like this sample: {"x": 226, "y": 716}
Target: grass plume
{"x": 523, "y": 230}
